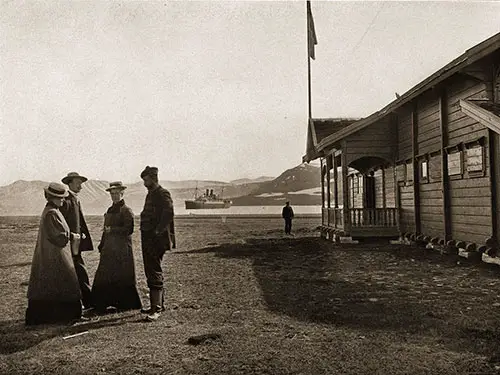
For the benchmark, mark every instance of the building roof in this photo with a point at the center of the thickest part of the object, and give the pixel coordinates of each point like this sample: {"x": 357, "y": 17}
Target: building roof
{"x": 470, "y": 56}
{"x": 321, "y": 128}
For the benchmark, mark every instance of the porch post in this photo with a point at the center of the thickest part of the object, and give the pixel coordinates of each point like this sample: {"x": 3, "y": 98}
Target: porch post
{"x": 494, "y": 156}
{"x": 322, "y": 192}
{"x": 328, "y": 195}
{"x": 328, "y": 176}
{"x": 335, "y": 190}
{"x": 494, "y": 149}
{"x": 443, "y": 121}
{"x": 416, "y": 174}
{"x": 345, "y": 190}
{"x": 384, "y": 199}
{"x": 335, "y": 177}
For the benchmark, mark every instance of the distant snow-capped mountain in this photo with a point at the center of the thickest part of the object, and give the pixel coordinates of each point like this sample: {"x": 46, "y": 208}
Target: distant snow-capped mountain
{"x": 27, "y": 198}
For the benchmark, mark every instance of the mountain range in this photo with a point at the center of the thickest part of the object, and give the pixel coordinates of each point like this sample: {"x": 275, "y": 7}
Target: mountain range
{"x": 300, "y": 185}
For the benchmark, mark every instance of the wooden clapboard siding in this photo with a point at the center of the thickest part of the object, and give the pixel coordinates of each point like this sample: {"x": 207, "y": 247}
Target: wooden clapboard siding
{"x": 390, "y": 191}
{"x": 404, "y": 136}
{"x": 379, "y": 189}
{"x": 462, "y": 128}
{"x": 470, "y": 198}
{"x": 470, "y": 209}
{"x": 465, "y": 88}
{"x": 468, "y": 233}
{"x": 428, "y": 134}
{"x": 375, "y": 140}
{"x": 431, "y": 209}
{"x": 470, "y": 131}
{"x": 496, "y": 96}
{"x": 406, "y": 209}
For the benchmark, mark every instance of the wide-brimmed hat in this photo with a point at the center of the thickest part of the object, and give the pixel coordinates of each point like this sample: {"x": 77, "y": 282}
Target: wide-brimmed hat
{"x": 116, "y": 185}
{"x": 71, "y": 175}
{"x": 57, "y": 190}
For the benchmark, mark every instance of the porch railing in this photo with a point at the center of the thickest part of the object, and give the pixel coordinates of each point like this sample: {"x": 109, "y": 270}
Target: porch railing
{"x": 361, "y": 217}
{"x": 373, "y": 217}
{"x": 324, "y": 216}
{"x": 333, "y": 217}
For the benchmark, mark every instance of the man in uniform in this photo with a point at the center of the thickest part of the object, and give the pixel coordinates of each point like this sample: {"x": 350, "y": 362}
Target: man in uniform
{"x": 72, "y": 212}
{"x": 157, "y": 236}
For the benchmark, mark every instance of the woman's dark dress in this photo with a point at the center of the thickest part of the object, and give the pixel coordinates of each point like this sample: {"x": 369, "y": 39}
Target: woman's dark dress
{"x": 114, "y": 281}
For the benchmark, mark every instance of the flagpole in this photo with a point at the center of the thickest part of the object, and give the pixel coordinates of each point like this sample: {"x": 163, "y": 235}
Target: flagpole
{"x": 308, "y": 61}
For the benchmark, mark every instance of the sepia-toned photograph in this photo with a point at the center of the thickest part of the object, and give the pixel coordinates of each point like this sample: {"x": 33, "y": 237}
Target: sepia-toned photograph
{"x": 248, "y": 187}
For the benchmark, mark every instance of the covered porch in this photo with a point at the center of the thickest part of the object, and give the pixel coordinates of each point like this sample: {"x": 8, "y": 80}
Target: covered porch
{"x": 357, "y": 181}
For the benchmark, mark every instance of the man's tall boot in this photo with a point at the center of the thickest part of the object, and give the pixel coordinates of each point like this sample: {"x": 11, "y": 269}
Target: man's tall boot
{"x": 150, "y": 310}
{"x": 155, "y": 297}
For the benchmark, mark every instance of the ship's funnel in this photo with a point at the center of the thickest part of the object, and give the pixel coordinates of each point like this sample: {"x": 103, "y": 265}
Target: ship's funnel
{"x": 211, "y": 192}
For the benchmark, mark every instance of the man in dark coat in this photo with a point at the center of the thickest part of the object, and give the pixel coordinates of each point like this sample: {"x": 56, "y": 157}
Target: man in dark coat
{"x": 157, "y": 236}
{"x": 287, "y": 214}
{"x": 72, "y": 212}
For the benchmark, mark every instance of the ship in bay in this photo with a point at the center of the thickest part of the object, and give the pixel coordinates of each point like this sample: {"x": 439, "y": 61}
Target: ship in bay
{"x": 207, "y": 200}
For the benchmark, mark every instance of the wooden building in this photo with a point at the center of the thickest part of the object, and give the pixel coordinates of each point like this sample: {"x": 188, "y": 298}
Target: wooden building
{"x": 427, "y": 164}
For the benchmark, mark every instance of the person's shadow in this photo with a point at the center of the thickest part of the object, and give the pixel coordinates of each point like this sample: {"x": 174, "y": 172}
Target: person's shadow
{"x": 15, "y": 336}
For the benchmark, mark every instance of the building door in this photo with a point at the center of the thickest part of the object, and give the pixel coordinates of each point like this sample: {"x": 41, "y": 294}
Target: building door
{"x": 370, "y": 215}
{"x": 369, "y": 192}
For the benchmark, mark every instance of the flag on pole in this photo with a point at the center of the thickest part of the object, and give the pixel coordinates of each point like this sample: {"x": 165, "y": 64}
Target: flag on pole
{"x": 311, "y": 32}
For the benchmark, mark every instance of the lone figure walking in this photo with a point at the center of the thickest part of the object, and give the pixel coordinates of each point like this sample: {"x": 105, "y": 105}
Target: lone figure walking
{"x": 287, "y": 214}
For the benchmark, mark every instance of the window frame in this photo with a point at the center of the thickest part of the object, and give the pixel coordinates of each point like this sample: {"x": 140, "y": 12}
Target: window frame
{"x": 409, "y": 176}
{"x": 421, "y": 160}
{"x": 477, "y": 144}
{"x": 453, "y": 150}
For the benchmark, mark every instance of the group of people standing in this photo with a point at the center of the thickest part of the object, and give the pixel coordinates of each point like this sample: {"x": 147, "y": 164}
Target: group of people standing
{"x": 59, "y": 288}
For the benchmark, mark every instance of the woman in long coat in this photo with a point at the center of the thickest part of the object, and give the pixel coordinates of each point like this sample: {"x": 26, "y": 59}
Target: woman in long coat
{"x": 114, "y": 282}
{"x": 53, "y": 292}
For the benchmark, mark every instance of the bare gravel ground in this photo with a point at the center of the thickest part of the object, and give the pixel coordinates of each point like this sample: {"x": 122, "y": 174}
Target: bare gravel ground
{"x": 274, "y": 304}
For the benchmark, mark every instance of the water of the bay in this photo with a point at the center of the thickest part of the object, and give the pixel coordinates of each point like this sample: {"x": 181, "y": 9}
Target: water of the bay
{"x": 248, "y": 210}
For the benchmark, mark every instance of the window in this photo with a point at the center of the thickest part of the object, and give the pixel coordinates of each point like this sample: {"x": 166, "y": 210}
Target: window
{"x": 475, "y": 159}
{"x": 455, "y": 164}
{"x": 400, "y": 172}
{"x": 475, "y": 162}
{"x": 424, "y": 170}
{"x": 409, "y": 172}
{"x": 434, "y": 167}
{"x": 360, "y": 184}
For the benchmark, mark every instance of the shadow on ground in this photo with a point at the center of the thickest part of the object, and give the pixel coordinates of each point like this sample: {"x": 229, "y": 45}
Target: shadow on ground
{"x": 16, "y": 336}
{"x": 21, "y": 264}
{"x": 307, "y": 279}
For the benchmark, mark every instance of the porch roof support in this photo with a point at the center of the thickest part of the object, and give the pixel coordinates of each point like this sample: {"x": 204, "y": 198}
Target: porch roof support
{"x": 481, "y": 115}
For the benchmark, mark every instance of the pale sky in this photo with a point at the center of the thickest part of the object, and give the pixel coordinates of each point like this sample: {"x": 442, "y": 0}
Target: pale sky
{"x": 204, "y": 90}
